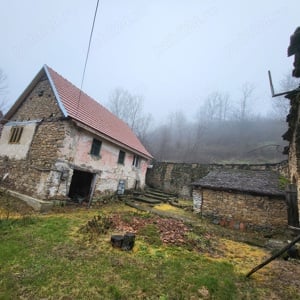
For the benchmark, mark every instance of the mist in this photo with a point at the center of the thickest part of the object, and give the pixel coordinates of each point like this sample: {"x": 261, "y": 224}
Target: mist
{"x": 255, "y": 140}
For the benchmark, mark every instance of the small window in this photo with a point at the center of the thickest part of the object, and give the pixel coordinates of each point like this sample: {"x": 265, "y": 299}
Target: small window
{"x": 15, "y": 135}
{"x": 96, "y": 146}
{"x": 136, "y": 161}
{"x": 121, "y": 158}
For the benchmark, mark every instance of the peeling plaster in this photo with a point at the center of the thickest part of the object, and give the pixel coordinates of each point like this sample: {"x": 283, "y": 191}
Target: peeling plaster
{"x": 18, "y": 150}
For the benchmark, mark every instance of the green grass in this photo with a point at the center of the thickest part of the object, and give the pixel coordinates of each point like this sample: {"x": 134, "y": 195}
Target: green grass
{"x": 48, "y": 257}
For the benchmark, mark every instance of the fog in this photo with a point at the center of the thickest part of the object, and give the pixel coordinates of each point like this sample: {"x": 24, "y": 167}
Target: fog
{"x": 172, "y": 53}
{"x": 190, "y": 64}
{"x": 255, "y": 140}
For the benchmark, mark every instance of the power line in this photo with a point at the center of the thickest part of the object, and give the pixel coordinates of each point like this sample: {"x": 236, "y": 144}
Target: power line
{"x": 87, "y": 54}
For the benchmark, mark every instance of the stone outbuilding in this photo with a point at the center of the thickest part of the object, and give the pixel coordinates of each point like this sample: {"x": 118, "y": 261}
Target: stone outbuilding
{"x": 59, "y": 142}
{"x": 241, "y": 199}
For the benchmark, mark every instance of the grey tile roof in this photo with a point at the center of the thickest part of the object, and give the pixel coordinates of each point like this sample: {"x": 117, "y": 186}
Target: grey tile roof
{"x": 246, "y": 181}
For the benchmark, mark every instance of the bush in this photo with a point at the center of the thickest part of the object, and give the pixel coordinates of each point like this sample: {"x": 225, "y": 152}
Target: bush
{"x": 98, "y": 225}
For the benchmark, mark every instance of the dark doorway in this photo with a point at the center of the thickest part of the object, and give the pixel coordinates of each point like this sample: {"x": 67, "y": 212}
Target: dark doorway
{"x": 80, "y": 187}
{"x": 137, "y": 185}
{"x": 292, "y": 203}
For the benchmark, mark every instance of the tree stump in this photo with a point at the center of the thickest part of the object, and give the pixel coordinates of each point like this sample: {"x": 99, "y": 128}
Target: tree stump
{"x": 117, "y": 241}
{"x": 128, "y": 241}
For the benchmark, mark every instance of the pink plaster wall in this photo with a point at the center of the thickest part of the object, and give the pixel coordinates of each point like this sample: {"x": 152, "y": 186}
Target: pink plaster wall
{"x": 77, "y": 147}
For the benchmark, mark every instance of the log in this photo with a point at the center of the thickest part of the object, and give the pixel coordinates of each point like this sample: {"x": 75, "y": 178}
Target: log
{"x": 284, "y": 249}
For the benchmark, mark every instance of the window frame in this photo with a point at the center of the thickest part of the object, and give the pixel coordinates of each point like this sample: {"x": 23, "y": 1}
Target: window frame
{"x": 15, "y": 134}
{"x": 96, "y": 147}
{"x": 136, "y": 161}
{"x": 121, "y": 157}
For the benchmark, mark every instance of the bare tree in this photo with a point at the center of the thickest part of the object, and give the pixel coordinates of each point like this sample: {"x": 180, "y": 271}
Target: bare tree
{"x": 281, "y": 105}
{"x": 142, "y": 126}
{"x": 216, "y": 107}
{"x": 163, "y": 143}
{"x": 129, "y": 108}
{"x": 246, "y": 95}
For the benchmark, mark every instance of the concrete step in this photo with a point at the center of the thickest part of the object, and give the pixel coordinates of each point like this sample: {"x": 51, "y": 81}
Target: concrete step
{"x": 160, "y": 192}
{"x": 155, "y": 196}
{"x": 146, "y": 200}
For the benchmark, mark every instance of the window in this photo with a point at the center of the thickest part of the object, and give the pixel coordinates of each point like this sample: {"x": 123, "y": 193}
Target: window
{"x": 136, "y": 161}
{"x": 96, "y": 146}
{"x": 15, "y": 135}
{"x": 121, "y": 158}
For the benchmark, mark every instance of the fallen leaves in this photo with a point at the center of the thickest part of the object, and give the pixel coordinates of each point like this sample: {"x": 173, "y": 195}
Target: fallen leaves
{"x": 171, "y": 231}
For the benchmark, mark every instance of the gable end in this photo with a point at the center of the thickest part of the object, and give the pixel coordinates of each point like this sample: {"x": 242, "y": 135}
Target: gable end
{"x": 59, "y": 102}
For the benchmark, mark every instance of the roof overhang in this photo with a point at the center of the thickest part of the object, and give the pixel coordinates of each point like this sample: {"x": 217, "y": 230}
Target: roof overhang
{"x": 20, "y": 123}
{"x": 239, "y": 191}
{"x": 109, "y": 139}
{"x": 60, "y": 104}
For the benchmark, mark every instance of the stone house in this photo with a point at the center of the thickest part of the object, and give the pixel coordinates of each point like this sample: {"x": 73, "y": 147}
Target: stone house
{"x": 241, "y": 199}
{"x": 59, "y": 142}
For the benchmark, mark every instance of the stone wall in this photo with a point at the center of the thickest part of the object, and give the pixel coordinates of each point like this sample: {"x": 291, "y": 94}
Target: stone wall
{"x": 40, "y": 104}
{"x": 293, "y": 137}
{"x": 242, "y": 211}
{"x": 47, "y": 141}
{"x": 29, "y": 174}
{"x": 177, "y": 177}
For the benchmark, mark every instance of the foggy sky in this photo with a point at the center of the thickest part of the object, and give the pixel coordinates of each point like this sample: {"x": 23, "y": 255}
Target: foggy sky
{"x": 174, "y": 53}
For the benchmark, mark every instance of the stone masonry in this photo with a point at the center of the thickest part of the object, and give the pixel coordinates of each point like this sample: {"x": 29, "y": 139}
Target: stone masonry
{"x": 25, "y": 175}
{"x": 177, "y": 177}
{"x": 242, "y": 211}
{"x": 293, "y": 137}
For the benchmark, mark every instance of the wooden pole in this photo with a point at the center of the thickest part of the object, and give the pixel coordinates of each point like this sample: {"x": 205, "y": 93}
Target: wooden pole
{"x": 297, "y": 239}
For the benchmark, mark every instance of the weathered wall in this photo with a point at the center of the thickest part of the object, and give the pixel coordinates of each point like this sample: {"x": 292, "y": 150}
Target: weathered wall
{"x": 40, "y": 104}
{"x": 50, "y": 155}
{"x": 177, "y": 177}
{"x": 30, "y": 174}
{"x": 18, "y": 150}
{"x": 293, "y": 137}
{"x": 241, "y": 211}
{"x": 76, "y": 151}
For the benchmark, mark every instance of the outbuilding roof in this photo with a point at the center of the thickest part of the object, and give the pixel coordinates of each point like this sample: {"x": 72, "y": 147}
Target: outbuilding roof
{"x": 80, "y": 107}
{"x": 246, "y": 181}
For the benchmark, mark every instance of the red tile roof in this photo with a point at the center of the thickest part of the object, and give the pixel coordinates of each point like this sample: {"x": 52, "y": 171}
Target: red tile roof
{"x": 89, "y": 112}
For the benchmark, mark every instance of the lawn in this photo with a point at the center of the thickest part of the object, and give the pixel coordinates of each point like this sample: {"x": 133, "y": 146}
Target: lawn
{"x": 62, "y": 256}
